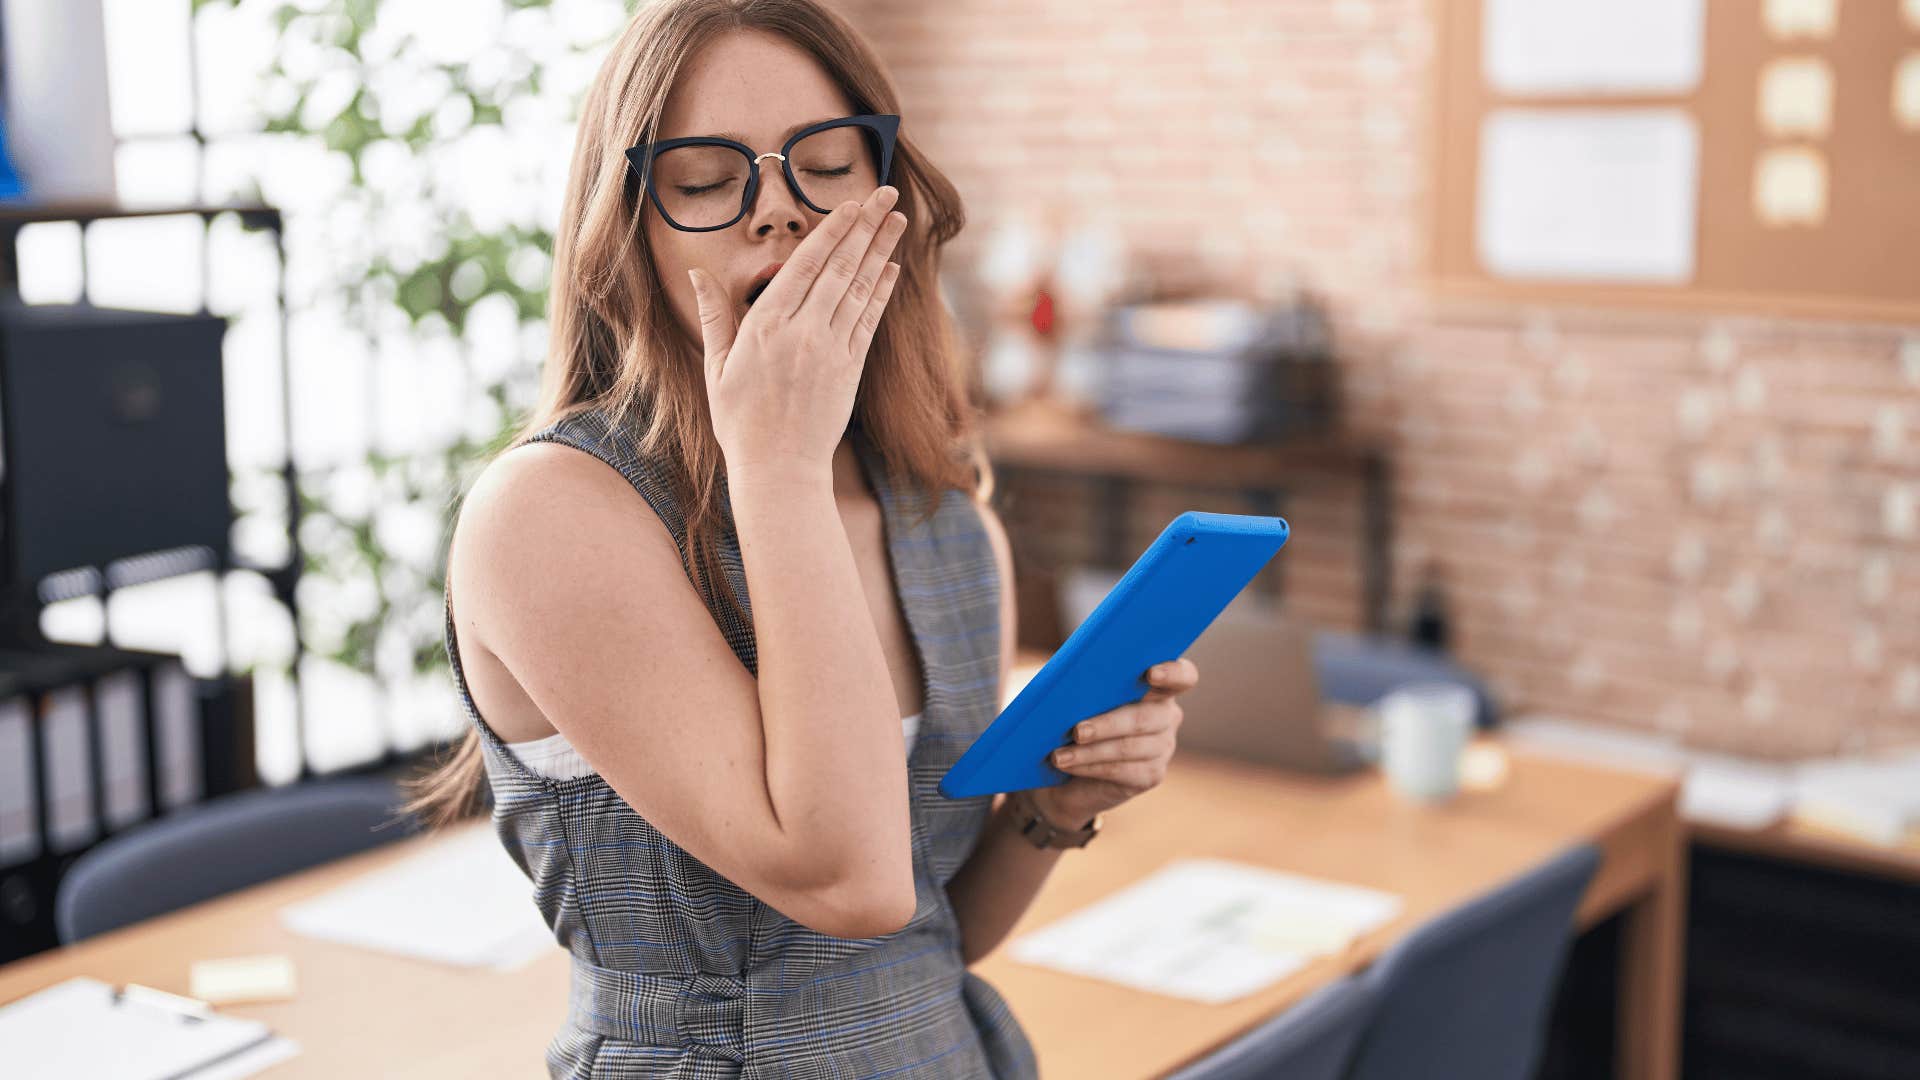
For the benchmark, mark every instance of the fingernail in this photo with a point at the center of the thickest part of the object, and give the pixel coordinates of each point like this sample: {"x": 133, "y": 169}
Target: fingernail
{"x": 1083, "y": 732}
{"x": 694, "y": 277}
{"x": 1064, "y": 757}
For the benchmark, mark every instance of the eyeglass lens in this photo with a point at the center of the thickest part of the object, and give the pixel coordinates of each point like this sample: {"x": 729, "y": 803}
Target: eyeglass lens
{"x": 703, "y": 186}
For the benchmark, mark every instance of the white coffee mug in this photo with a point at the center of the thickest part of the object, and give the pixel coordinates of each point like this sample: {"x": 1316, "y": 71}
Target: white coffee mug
{"x": 1423, "y": 731}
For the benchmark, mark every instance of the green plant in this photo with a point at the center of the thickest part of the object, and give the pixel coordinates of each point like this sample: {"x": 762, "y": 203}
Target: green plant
{"x": 388, "y": 101}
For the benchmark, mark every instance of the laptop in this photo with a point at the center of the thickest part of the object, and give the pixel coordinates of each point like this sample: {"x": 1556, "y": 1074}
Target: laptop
{"x": 1258, "y": 699}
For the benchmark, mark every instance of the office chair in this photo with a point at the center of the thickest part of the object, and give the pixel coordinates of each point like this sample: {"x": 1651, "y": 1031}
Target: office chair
{"x": 223, "y": 844}
{"x": 1467, "y": 994}
{"x": 1314, "y": 1040}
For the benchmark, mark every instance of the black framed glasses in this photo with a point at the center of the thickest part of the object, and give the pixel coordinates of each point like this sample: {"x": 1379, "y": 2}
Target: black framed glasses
{"x": 703, "y": 183}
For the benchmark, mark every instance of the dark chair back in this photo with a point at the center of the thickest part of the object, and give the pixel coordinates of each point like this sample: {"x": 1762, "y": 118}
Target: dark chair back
{"x": 223, "y": 844}
{"x": 1313, "y": 1040}
{"x": 1467, "y": 994}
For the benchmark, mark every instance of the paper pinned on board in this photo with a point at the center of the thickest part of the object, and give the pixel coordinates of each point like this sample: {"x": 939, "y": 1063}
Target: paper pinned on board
{"x": 1790, "y": 19}
{"x": 1906, "y": 91}
{"x": 1588, "y": 194}
{"x": 1586, "y": 47}
{"x": 1207, "y": 929}
{"x": 1790, "y": 186}
{"x": 1796, "y": 97}
{"x": 461, "y": 902}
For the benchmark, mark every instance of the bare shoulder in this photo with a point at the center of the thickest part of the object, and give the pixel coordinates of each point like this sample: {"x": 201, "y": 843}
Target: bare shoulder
{"x": 550, "y": 511}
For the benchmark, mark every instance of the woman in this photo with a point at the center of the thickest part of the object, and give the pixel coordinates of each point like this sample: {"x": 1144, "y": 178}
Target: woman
{"x": 707, "y": 792}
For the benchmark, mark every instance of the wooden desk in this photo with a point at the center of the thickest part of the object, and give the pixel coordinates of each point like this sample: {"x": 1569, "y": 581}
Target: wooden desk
{"x": 1355, "y": 830}
{"x": 356, "y": 1012}
{"x": 365, "y": 1013}
{"x": 1792, "y": 842}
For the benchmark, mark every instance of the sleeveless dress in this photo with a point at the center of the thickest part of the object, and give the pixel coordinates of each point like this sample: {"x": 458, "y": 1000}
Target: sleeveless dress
{"x": 677, "y": 971}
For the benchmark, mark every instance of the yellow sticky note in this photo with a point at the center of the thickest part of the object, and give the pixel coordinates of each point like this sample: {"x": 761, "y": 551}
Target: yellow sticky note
{"x": 268, "y": 977}
{"x": 1796, "y": 97}
{"x": 1790, "y": 187}
{"x": 1788, "y": 19}
{"x": 1906, "y": 90}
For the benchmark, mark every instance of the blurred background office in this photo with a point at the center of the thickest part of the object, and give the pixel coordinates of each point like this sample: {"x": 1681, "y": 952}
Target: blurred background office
{"x": 1578, "y": 341}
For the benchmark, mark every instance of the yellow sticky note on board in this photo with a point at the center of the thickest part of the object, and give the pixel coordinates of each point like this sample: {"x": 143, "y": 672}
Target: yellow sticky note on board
{"x": 1787, "y": 19}
{"x": 1796, "y": 97}
{"x": 268, "y": 977}
{"x": 1906, "y": 90}
{"x": 1790, "y": 187}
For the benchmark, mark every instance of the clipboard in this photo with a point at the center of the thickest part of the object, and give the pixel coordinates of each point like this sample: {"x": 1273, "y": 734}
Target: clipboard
{"x": 86, "y": 1027}
{"x": 1163, "y": 603}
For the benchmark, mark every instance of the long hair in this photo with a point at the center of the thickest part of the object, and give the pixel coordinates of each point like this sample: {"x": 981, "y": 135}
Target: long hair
{"x": 616, "y": 346}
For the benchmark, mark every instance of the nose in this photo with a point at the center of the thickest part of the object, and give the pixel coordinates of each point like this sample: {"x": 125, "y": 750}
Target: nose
{"x": 775, "y": 205}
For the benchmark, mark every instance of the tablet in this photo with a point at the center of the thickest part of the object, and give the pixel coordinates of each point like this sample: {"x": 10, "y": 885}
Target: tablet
{"x": 1166, "y": 600}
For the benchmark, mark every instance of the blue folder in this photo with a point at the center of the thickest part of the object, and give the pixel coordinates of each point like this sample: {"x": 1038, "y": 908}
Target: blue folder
{"x": 1166, "y": 600}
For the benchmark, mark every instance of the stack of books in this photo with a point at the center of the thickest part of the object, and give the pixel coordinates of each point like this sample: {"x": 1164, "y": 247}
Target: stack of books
{"x": 1219, "y": 371}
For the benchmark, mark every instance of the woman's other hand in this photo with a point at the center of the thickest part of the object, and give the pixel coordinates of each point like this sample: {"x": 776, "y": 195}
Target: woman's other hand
{"x": 1120, "y": 753}
{"x": 781, "y": 384}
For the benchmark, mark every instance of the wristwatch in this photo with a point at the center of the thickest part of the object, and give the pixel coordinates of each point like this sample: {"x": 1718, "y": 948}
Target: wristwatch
{"x": 1042, "y": 833}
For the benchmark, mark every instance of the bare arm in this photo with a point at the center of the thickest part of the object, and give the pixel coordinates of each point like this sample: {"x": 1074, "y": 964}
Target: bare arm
{"x": 834, "y": 744}
{"x": 563, "y": 572}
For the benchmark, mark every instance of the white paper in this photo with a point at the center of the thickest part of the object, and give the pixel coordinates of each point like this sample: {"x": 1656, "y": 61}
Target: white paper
{"x": 1592, "y": 46}
{"x": 1790, "y": 19}
{"x": 1207, "y": 929}
{"x": 1588, "y": 194}
{"x": 1572, "y": 740}
{"x": 1790, "y": 186}
{"x": 461, "y": 902}
{"x": 1877, "y": 799}
{"x": 1796, "y": 97}
{"x": 1906, "y": 92}
{"x": 74, "y": 1028}
{"x": 1736, "y": 793}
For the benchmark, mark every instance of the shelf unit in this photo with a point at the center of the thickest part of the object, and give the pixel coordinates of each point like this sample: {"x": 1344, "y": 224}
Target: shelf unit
{"x": 1039, "y": 439}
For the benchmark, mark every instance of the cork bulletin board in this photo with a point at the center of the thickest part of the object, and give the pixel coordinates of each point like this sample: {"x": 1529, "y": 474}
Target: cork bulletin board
{"x": 1745, "y": 155}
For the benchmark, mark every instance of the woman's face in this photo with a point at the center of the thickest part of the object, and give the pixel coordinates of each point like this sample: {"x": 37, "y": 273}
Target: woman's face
{"x": 755, "y": 88}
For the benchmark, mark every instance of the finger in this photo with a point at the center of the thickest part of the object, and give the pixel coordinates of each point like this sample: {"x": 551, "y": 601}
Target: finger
{"x": 869, "y": 323}
{"x": 1172, "y": 677}
{"x": 716, "y": 321}
{"x": 860, "y": 289}
{"x": 1143, "y": 747}
{"x": 830, "y": 285}
{"x": 789, "y": 286}
{"x": 1137, "y": 775}
{"x": 1132, "y": 719}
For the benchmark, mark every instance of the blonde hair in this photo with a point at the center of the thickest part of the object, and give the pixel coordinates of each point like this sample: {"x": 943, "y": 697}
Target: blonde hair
{"x": 615, "y": 344}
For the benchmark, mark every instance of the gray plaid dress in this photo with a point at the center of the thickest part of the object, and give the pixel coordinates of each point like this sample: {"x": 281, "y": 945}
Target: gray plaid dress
{"x": 677, "y": 971}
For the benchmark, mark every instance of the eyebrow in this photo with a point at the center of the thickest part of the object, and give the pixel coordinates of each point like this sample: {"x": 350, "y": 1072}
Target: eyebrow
{"x": 784, "y": 136}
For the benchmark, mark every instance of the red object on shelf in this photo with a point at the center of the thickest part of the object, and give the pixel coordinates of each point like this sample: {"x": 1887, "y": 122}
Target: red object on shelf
{"x": 1043, "y": 313}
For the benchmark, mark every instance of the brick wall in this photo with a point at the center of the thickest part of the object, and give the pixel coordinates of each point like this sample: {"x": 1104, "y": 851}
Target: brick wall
{"x": 1693, "y": 523}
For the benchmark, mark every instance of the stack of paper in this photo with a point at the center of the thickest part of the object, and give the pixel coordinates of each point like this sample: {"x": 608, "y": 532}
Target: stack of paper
{"x": 1875, "y": 799}
{"x": 462, "y": 902}
{"x": 1207, "y": 929}
{"x": 82, "y": 1028}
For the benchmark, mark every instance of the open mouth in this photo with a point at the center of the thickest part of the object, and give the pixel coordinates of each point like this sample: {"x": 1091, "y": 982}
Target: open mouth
{"x": 758, "y": 288}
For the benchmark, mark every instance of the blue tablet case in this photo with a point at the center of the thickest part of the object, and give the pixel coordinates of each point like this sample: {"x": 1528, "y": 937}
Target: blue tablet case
{"x": 1166, "y": 600}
